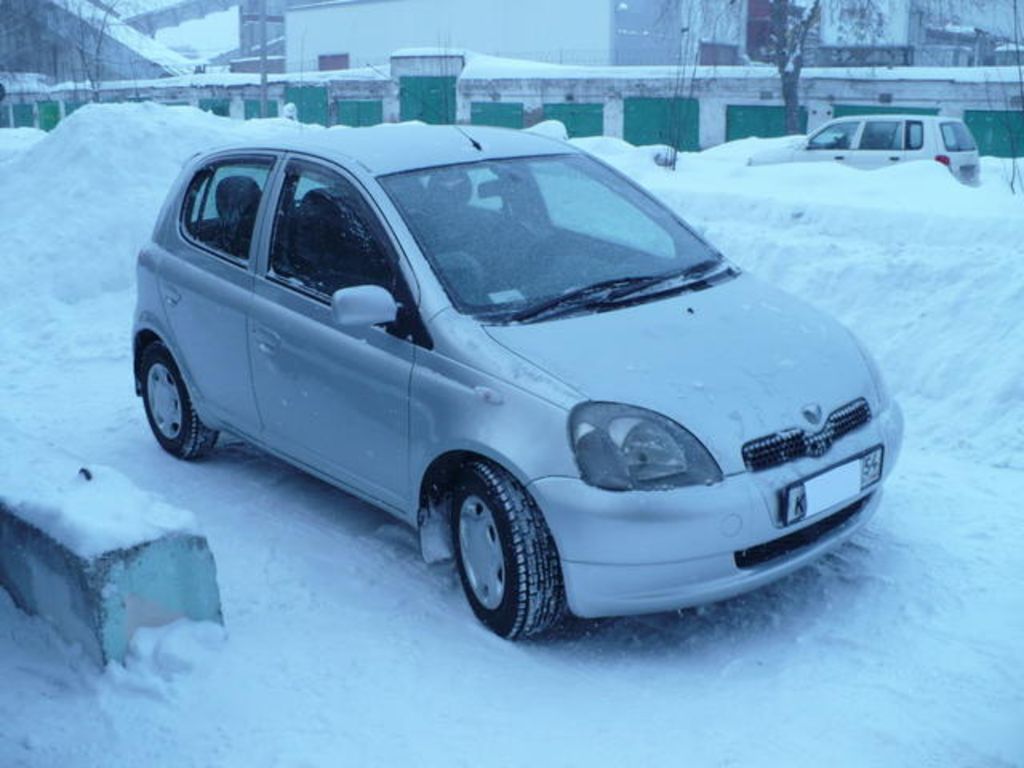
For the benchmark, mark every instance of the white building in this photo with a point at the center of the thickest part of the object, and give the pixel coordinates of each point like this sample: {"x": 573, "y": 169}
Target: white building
{"x": 352, "y": 33}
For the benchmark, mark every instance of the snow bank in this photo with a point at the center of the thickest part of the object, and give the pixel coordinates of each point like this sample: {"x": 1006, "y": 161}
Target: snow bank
{"x": 102, "y": 174}
{"x": 16, "y": 140}
{"x": 93, "y": 555}
{"x": 87, "y": 508}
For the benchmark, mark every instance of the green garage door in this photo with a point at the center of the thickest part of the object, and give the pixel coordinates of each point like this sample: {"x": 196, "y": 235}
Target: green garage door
{"x": 998, "y": 132}
{"x": 5, "y": 116}
{"x": 49, "y": 114}
{"x": 252, "y": 108}
{"x": 310, "y": 103}
{"x": 359, "y": 113}
{"x": 742, "y": 122}
{"x": 24, "y": 117}
{"x": 219, "y": 107}
{"x": 430, "y": 99}
{"x": 503, "y": 115}
{"x": 579, "y": 119}
{"x": 675, "y": 122}
{"x": 846, "y": 110}
{"x": 71, "y": 106}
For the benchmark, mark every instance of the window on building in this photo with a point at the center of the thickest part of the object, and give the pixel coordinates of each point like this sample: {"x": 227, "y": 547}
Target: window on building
{"x": 330, "y": 61}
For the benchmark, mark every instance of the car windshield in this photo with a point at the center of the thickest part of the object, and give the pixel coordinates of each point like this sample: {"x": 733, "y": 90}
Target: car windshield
{"x": 507, "y": 235}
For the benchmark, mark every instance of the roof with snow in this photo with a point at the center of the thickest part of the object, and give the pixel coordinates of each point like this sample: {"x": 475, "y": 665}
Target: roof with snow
{"x": 104, "y": 20}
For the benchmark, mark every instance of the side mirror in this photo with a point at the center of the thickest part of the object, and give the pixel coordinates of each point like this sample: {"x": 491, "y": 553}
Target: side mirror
{"x": 363, "y": 305}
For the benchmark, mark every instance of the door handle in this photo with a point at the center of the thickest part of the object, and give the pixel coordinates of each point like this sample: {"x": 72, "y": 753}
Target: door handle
{"x": 171, "y": 296}
{"x": 840, "y": 157}
{"x": 267, "y": 340}
{"x": 894, "y": 159}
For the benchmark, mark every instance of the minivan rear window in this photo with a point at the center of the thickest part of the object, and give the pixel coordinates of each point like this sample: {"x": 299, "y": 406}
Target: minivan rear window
{"x": 957, "y": 138}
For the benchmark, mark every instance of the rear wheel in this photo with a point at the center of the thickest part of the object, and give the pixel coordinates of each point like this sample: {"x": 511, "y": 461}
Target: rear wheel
{"x": 506, "y": 556}
{"x": 169, "y": 410}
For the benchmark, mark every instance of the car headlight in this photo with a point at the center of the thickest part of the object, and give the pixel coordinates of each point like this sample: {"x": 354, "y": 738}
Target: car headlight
{"x": 623, "y": 448}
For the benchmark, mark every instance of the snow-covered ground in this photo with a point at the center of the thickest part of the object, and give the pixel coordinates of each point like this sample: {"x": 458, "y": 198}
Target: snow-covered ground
{"x": 905, "y": 648}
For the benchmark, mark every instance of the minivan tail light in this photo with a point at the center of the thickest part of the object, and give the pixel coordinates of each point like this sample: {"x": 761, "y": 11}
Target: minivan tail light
{"x": 944, "y": 159}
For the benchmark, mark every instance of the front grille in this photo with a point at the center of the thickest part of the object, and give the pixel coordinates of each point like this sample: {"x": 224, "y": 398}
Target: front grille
{"x": 790, "y": 444}
{"x": 793, "y": 542}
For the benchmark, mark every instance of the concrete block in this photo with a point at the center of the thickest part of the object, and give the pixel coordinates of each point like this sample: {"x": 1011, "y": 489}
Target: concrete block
{"x": 99, "y": 601}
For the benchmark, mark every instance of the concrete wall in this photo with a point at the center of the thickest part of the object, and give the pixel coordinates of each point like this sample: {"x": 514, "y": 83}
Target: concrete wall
{"x": 538, "y": 88}
{"x": 572, "y": 31}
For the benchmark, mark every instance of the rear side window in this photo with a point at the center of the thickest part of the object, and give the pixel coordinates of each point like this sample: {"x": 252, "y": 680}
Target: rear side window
{"x": 915, "y": 134}
{"x": 957, "y": 138}
{"x": 881, "y": 134}
{"x": 221, "y": 204}
{"x": 838, "y": 136}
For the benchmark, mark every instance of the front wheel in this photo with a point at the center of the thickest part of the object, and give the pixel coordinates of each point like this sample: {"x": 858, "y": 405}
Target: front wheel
{"x": 505, "y": 554}
{"x": 175, "y": 423}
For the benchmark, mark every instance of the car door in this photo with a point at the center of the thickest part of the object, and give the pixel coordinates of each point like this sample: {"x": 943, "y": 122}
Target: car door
{"x": 832, "y": 142}
{"x": 207, "y": 285}
{"x": 880, "y": 145}
{"x": 335, "y": 399}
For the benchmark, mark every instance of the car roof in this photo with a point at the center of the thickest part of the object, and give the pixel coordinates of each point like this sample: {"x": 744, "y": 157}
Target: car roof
{"x": 896, "y": 116}
{"x": 394, "y": 148}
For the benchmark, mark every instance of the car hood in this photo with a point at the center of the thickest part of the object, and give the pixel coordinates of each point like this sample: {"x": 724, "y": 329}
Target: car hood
{"x": 733, "y": 362}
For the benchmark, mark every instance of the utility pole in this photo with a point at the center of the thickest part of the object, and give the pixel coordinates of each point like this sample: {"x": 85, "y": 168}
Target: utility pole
{"x": 263, "y": 58}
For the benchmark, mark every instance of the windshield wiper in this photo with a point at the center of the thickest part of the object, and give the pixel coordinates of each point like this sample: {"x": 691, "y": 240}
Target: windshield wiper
{"x": 676, "y": 281}
{"x": 609, "y": 292}
{"x": 597, "y": 293}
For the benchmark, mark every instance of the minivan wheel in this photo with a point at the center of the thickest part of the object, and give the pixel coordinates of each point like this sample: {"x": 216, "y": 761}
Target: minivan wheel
{"x": 169, "y": 410}
{"x": 505, "y": 554}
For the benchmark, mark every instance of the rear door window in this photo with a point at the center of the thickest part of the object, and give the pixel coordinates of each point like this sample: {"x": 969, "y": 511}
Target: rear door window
{"x": 914, "y": 134}
{"x": 881, "y": 134}
{"x": 221, "y": 203}
{"x": 838, "y": 136}
{"x": 957, "y": 138}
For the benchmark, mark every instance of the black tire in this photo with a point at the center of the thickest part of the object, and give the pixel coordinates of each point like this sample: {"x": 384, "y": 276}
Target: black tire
{"x": 533, "y": 601}
{"x": 192, "y": 439}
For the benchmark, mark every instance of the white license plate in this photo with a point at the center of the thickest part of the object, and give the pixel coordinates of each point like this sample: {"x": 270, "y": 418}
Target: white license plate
{"x": 830, "y": 488}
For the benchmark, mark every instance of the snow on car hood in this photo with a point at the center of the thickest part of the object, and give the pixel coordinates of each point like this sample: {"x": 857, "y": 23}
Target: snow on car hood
{"x": 730, "y": 363}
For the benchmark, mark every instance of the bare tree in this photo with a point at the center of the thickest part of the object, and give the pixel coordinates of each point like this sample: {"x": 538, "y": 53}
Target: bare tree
{"x": 1011, "y": 129}
{"x": 89, "y": 32}
{"x": 791, "y": 24}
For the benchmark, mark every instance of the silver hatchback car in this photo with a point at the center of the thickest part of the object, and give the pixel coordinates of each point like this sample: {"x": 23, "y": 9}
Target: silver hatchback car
{"x": 515, "y": 349}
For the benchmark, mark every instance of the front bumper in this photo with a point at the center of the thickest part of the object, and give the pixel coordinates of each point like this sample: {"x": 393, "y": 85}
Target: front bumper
{"x": 643, "y": 552}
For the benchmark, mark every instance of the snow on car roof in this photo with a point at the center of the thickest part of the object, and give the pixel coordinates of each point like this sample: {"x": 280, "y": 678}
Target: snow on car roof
{"x": 896, "y": 116}
{"x": 394, "y": 148}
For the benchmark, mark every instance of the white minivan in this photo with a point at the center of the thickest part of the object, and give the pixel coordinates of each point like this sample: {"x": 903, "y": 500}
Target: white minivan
{"x": 878, "y": 141}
